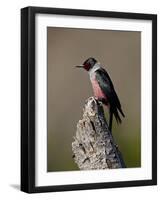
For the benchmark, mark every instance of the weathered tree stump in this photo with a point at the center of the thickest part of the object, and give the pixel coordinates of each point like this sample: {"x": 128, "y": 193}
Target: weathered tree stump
{"x": 94, "y": 146}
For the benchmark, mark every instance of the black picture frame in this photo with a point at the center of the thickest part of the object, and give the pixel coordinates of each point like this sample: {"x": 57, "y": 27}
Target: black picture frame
{"x": 28, "y": 98}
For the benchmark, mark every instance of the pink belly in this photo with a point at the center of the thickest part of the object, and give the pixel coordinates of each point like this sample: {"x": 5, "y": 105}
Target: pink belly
{"x": 97, "y": 90}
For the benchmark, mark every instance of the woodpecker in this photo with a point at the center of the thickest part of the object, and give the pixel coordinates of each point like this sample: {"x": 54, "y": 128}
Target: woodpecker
{"x": 103, "y": 89}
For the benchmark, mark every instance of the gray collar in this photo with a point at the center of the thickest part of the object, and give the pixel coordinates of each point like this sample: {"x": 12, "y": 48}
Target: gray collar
{"x": 94, "y": 68}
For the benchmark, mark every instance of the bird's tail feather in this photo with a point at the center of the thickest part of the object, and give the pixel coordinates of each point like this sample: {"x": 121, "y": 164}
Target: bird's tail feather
{"x": 117, "y": 116}
{"x": 120, "y": 110}
{"x": 117, "y": 112}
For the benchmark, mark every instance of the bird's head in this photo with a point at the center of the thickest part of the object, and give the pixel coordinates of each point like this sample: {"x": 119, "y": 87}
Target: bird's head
{"x": 88, "y": 64}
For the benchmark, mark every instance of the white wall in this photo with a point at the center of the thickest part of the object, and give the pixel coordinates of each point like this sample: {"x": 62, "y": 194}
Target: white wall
{"x": 10, "y": 98}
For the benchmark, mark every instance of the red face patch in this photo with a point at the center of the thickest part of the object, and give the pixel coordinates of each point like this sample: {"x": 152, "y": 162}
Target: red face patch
{"x": 87, "y": 66}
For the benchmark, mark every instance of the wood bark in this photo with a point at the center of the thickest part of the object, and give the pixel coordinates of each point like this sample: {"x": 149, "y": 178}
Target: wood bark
{"x": 93, "y": 146}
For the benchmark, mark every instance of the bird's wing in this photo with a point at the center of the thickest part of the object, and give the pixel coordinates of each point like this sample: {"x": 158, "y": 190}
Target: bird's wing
{"x": 104, "y": 82}
{"x": 107, "y": 87}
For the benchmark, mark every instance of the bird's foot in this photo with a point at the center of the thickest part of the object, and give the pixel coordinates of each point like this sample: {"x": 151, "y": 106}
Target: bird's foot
{"x": 102, "y": 101}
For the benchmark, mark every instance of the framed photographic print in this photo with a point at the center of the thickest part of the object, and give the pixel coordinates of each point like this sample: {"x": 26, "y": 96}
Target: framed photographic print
{"x": 88, "y": 99}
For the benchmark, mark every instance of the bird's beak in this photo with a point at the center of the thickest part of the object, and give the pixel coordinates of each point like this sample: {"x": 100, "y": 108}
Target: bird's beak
{"x": 79, "y": 66}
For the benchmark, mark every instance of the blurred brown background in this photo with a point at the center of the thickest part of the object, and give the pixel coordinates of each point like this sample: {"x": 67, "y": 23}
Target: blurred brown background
{"x": 68, "y": 88}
